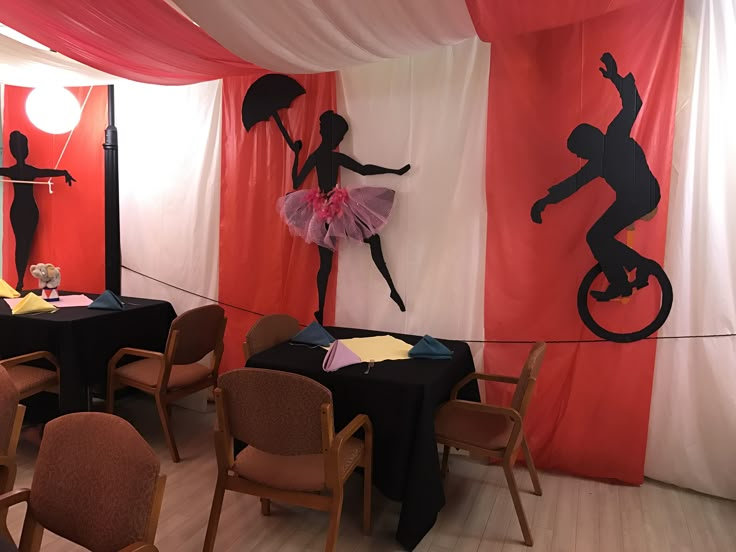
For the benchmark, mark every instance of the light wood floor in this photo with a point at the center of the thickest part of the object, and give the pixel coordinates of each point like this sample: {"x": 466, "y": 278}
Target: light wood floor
{"x": 574, "y": 515}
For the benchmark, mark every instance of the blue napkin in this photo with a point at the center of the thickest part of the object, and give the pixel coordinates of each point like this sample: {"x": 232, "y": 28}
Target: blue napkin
{"x": 429, "y": 347}
{"x": 107, "y": 301}
{"x": 314, "y": 334}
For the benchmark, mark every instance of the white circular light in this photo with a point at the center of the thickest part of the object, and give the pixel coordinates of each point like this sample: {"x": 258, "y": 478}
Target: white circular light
{"x": 53, "y": 110}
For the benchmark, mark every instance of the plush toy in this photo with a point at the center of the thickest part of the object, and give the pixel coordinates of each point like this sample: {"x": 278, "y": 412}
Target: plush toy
{"x": 49, "y": 278}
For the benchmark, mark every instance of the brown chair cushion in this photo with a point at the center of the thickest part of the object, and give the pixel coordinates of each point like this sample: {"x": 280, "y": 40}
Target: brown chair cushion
{"x": 147, "y": 371}
{"x": 479, "y": 429}
{"x": 29, "y": 378}
{"x": 94, "y": 481}
{"x": 305, "y": 472}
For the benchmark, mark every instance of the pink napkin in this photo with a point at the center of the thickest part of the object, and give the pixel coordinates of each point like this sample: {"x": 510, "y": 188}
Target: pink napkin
{"x": 338, "y": 356}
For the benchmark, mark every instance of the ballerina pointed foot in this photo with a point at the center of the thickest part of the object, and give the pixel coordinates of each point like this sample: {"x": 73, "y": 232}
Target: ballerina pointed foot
{"x": 318, "y": 316}
{"x": 397, "y": 299}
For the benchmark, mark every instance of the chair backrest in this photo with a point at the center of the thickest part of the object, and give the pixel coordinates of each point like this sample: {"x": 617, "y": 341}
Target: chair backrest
{"x": 268, "y": 331}
{"x": 200, "y": 332}
{"x": 274, "y": 411}
{"x": 528, "y": 376}
{"x": 94, "y": 481}
{"x": 9, "y": 398}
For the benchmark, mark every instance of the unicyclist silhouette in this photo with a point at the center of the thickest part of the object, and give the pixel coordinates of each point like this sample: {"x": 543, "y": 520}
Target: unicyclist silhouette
{"x": 617, "y": 158}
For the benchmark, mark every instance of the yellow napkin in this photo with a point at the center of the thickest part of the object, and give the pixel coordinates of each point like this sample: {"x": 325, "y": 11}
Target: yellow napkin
{"x": 378, "y": 348}
{"x": 32, "y": 303}
{"x": 6, "y": 290}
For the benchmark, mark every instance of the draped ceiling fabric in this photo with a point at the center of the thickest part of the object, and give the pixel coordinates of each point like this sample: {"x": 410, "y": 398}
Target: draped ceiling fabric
{"x": 140, "y": 40}
{"x": 24, "y": 65}
{"x": 325, "y": 35}
{"x": 494, "y": 19}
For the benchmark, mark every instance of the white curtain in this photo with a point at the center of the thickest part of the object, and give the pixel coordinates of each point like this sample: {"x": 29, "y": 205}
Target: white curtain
{"x": 311, "y": 36}
{"x": 692, "y": 432}
{"x": 24, "y": 65}
{"x": 428, "y": 110}
{"x": 170, "y": 150}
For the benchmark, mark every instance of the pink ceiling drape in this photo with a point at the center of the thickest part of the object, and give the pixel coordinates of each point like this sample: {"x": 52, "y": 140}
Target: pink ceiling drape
{"x": 495, "y": 19}
{"x": 141, "y": 40}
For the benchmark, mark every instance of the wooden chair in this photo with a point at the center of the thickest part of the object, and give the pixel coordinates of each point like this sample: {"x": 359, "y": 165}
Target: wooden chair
{"x": 96, "y": 483}
{"x": 31, "y": 380}
{"x": 494, "y": 431}
{"x": 269, "y": 331}
{"x": 176, "y": 373}
{"x": 11, "y": 420}
{"x": 293, "y": 455}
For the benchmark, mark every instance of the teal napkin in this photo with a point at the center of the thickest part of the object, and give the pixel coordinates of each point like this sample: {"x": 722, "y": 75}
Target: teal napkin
{"x": 314, "y": 334}
{"x": 429, "y": 347}
{"x": 107, "y": 301}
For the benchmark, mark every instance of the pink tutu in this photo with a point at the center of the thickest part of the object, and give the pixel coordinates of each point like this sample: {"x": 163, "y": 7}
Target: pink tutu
{"x": 356, "y": 214}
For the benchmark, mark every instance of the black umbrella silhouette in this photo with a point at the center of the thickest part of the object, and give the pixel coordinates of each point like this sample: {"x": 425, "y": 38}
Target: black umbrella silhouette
{"x": 266, "y": 96}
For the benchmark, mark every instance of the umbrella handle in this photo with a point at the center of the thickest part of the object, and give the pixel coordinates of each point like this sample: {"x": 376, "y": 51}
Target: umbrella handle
{"x": 283, "y": 130}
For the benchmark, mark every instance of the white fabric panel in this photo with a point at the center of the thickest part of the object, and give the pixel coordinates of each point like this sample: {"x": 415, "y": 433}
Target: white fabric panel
{"x": 692, "y": 427}
{"x": 307, "y": 36}
{"x": 430, "y": 111}
{"x": 24, "y": 65}
{"x": 170, "y": 157}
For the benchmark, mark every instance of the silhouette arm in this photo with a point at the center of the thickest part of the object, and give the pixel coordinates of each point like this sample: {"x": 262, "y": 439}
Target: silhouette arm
{"x": 367, "y": 170}
{"x": 5, "y": 171}
{"x": 571, "y": 184}
{"x": 630, "y": 105}
{"x": 298, "y": 176}
{"x": 47, "y": 173}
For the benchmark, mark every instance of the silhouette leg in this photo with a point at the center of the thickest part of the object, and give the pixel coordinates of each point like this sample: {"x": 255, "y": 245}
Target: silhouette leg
{"x": 377, "y": 254}
{"x": 323, "y": 276}
{"x": 612, "y": 254}
{"x": 23, "y": 222}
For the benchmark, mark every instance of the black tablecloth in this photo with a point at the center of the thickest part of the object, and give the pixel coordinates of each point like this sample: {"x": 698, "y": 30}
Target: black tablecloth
{"x": 85, "y": 339}
{"x": 401, "y": 398}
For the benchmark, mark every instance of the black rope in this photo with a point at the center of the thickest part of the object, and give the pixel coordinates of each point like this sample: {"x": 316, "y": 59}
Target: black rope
{"x": 192, "y": 293}
{"x": 491, "y": 341}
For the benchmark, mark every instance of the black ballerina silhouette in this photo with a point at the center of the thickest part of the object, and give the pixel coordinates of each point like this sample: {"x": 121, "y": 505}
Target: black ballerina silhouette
{"x": 23, "y": 210}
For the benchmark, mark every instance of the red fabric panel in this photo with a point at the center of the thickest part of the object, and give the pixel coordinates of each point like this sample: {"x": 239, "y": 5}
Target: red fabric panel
{"x": 141, "y": 40}
{"x": 591, "y": 409}
{"x": 494, "y": 19}
{"x": 71, "y": 226}
{"x": 263, "y": 268}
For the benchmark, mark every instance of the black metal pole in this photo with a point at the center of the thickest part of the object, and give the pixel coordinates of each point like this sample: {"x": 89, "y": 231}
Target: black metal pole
{"x": 112, "y": 199}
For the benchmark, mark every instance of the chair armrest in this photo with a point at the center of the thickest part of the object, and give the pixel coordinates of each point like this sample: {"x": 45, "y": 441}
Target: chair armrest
{"x": 489, "y": 409}
{"x": 140, "y": 547}
{"x": 360, "y": 421}
{"x": 9, "y": 362}
{"x": 14, "y": 497}
{"x": 479, "y": 376}
{"x": 133, "y": 352}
